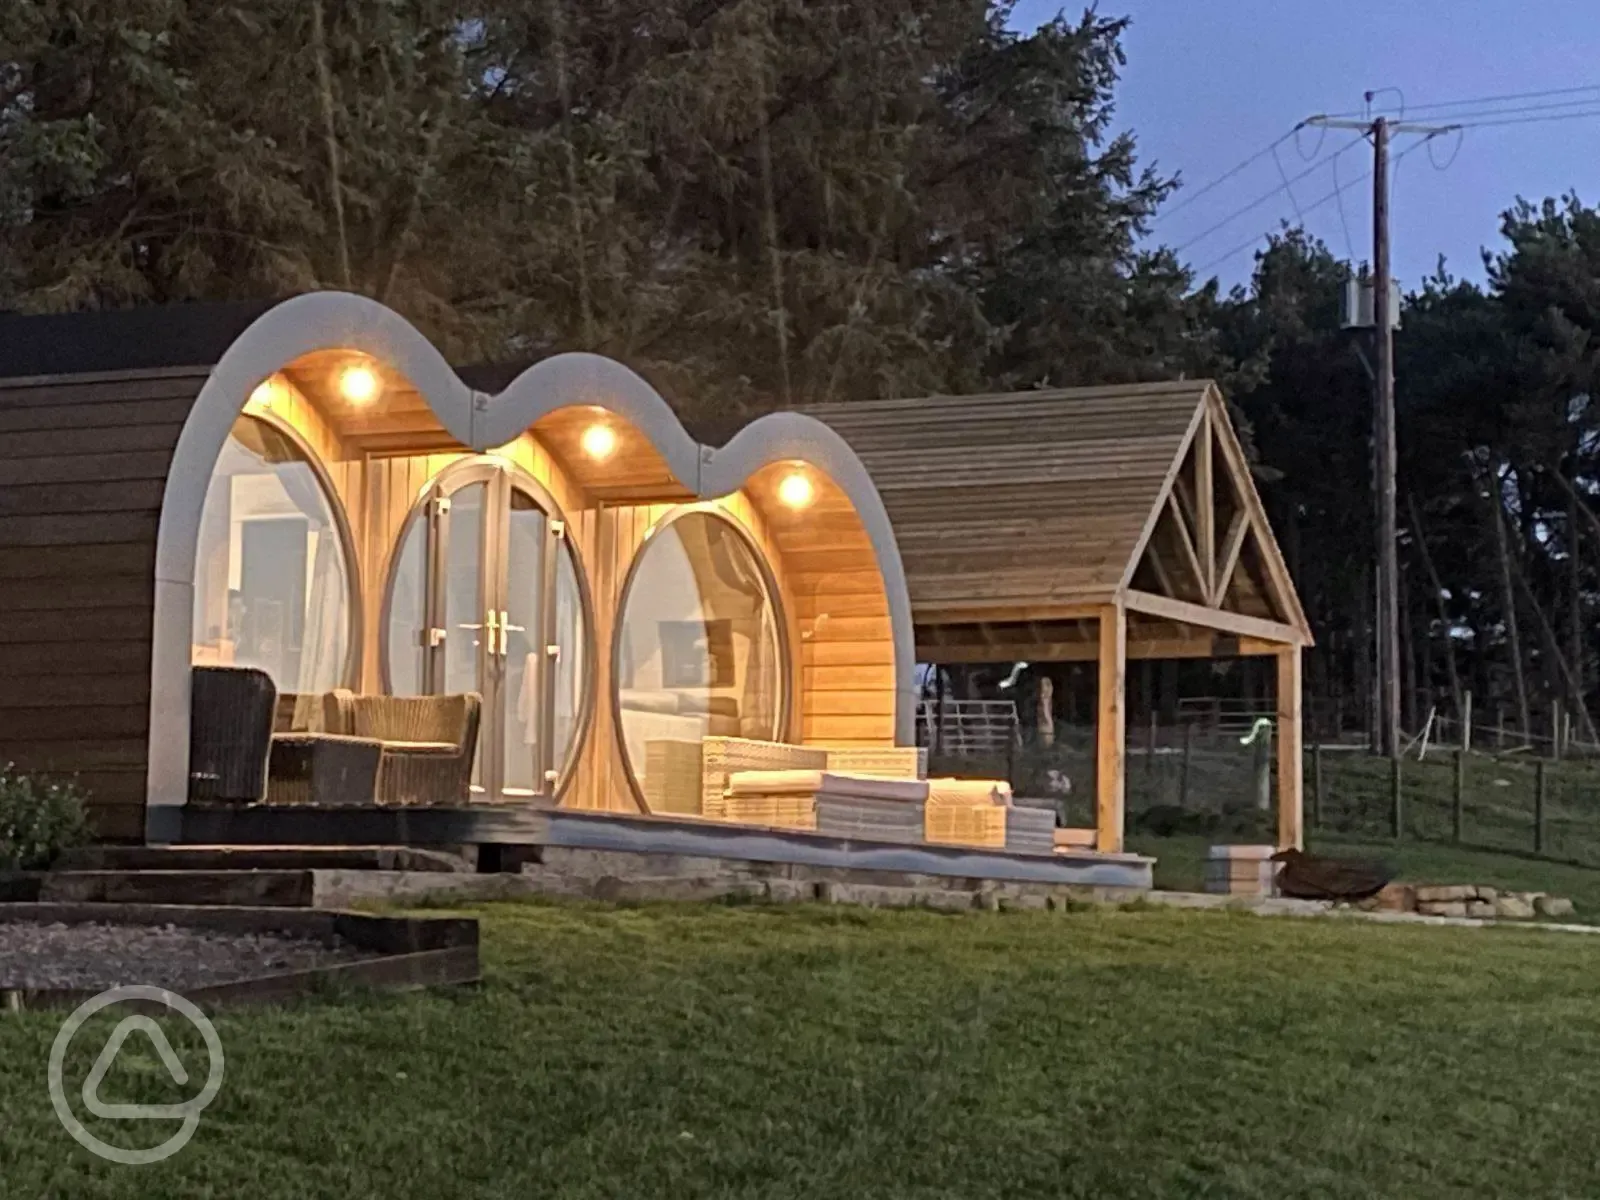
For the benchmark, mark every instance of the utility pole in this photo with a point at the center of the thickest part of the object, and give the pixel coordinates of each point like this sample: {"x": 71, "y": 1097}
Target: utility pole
{"x": 1387, "y": 616}
{"x": 1388, "y": 533}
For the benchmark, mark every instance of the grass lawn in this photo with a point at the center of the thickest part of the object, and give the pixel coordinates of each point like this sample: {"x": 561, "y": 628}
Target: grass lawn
{"x": 681, "y": 1051}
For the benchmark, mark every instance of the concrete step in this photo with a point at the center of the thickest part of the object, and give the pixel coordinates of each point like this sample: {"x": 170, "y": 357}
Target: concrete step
{"x": 263, "y": 889}
{"x": 259, "y": 858}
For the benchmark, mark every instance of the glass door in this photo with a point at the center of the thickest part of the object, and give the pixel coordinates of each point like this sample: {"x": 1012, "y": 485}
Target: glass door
{"x": 484, "y": 596}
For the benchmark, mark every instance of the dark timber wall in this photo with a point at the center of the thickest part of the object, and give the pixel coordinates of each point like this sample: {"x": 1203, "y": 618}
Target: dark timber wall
{"x": 83, "y": 461}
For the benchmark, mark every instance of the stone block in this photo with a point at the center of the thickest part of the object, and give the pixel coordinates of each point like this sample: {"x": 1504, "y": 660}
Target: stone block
{"x": 1239, "y": 875}
{"x": 1446, "y": 893}
{"x": 1554, "y": 906}
{"x": 1396, "y": 897}
{"x": 1488, "y": 893}
{"x": 1025, "y": 902}
{"x": 1442, "y": 908}
{"x": 789, "y": 891}
{"x": 1514, "y": 907}
{"x": 1241, "y": 853}
{"x": 1484, "y": 909}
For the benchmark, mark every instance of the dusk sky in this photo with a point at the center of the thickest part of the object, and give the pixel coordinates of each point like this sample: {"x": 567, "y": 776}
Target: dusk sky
{"x": 1210, "y": 83}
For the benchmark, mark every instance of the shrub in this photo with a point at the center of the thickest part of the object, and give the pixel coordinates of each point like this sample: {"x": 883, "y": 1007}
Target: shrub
{"x": 39, "y": 818}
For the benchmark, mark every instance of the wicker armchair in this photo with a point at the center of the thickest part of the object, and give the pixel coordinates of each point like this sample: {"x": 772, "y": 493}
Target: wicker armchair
{"x": 230, "y": 733}
{"x": 428, "y": 745}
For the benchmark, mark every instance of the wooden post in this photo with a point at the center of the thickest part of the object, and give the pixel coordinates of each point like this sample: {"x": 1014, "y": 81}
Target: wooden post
{"x": 1555, "y": 730}
{"x": 1183, "y": 771}
{"x": 1150, "y": 745}
{"x": 1291, "y": 751}
{"x": 1396, "y": 816}
{"x": 1111, "y": 731}
{"x": 1539, "y": 784}
{"x": 1466, "y": 720}
{"x": 1458, "y": 799}
{"x": 1316, "y": 786}
{"x": 1499, "y": 729}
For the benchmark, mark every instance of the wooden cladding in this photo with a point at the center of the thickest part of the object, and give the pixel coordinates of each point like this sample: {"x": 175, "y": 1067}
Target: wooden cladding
{"x": 81, "y": 481}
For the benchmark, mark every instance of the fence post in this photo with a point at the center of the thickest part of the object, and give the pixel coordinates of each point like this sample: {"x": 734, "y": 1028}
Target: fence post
{"x": 1263, "y": 771}
{"x": 1458, "y": 801}
{"x": 1499, "y": 729}
{"x": 1555, "y": 730}
{"x": 1150, "y": 746}
{"x": 1396, "y": 821}
{"x": 1183, "y": 771}
{"x": 1538, "y": 807}
{"x": 1316, "y": 785}
{"x": 1466, "y": 720}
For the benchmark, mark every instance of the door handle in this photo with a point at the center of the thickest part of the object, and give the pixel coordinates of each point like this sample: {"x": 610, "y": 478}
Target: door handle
{"x": 506, "y": 630}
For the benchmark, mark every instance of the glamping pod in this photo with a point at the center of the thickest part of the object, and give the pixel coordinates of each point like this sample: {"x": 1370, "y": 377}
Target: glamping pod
{"x": 308, "y": 496}
{"x": 281, "y": 574}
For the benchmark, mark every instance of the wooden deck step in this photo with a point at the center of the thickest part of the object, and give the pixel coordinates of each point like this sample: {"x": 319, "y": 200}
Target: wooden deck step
{"x": 258, "y": 858}
{"x": 263, "y": 889}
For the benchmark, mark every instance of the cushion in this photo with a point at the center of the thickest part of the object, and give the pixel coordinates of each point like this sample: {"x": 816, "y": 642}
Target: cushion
{"x": 811, "y": 783}
{"x": 701, "y": 704}
{"x": 640, "y": 700}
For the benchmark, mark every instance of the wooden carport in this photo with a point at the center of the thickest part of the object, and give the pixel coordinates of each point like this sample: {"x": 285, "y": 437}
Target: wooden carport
{"x": 1087, "y": 524}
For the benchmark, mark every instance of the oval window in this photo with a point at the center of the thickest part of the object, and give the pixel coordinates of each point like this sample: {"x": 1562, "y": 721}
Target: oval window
{"x": 272, "y": 584}
{"x": 699, "y": 653}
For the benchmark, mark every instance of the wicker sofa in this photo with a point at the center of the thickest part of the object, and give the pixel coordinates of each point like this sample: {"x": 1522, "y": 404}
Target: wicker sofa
{"x": 428, "y": 742}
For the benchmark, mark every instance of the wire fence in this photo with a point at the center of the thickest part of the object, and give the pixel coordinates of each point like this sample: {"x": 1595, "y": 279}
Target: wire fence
{"x": 1199, "y": 778}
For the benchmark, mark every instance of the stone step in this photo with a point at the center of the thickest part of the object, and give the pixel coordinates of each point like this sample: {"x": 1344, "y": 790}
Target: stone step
{"x": 259, "y": 858}
{"x": 264, "y": 889}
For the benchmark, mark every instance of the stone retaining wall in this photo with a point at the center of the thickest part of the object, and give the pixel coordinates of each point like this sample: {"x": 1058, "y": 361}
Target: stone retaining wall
{"x": 1471, "y": 900}
{"x": 622, "y": 876}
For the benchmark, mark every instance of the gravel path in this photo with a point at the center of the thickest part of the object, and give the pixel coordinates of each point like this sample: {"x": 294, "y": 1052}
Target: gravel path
{"x": 101, "y": 956}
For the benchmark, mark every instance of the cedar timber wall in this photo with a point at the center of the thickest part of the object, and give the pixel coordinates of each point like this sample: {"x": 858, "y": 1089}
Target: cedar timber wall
{"x": 83, "y": 463}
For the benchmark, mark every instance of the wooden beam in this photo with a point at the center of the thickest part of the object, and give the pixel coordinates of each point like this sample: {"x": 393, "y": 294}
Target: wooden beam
{"x": 1214, "y": 618}
{"x": 1205, "y": 511}
{"x": 1232, "y": 547}
{"x": 1056, "y": 650}
{"x": 1111, "y": 730}
{"x": 1291, "y": 752}
{"x": 1191, "y": 559}
{"x": 1238, "y": 469}
{"x": 1073, "y": 610}
{"x": 1174, "y": 472}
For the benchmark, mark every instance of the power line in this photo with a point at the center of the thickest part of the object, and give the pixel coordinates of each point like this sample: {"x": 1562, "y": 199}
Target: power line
{"x": 1532, "y": 114}
{"x": 1228, "y": 174}
{"x": 1503, "y": 111}
{"x": 1265, "y": 196}
{"x": 1595, "y": 112}
{"x": 1344, "y": 222}
{"x": 1475, "y": 100}
{"x": 1329, "y": 198}
{"x": 1258, "y": 238}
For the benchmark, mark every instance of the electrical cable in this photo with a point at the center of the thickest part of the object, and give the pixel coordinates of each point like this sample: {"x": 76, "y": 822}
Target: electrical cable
{"x": 1595, "y": 112}
{"x": 1264, "y": 197}
{"x": 1228, "y": 174}
{"x": 1344, "y": 222}
{"x": 1476, "y": 100}
{"x": 1289, "y": 191}
{"x": 1312, "y": 207}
